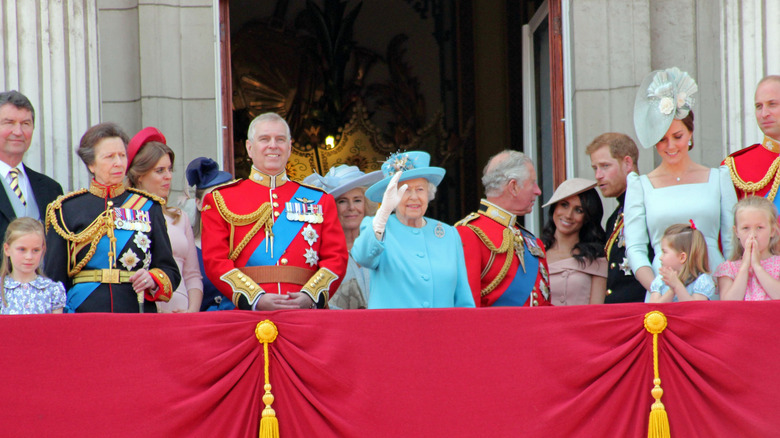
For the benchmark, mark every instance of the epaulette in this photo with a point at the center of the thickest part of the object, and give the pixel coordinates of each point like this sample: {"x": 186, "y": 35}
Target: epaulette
{"x": 151, "y": 196}
{"x": 471, "y": 216}
{"x": 312, "y": 187}
{"x": 227, "y": 184}
{"x": 744, "y": 150}
{"x": 57, "y": 204}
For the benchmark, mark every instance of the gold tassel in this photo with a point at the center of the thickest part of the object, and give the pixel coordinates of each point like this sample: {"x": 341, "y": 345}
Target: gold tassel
{"x": 266, "y": 333}
{"x": 658, "y": 427}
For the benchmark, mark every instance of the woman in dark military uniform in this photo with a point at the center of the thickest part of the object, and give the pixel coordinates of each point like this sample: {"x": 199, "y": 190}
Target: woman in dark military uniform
{"x": 108, "y": 244}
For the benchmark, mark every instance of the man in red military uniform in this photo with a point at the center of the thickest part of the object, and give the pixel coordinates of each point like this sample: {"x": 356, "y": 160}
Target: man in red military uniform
{"x": 270, "y": 243}
{"x": 506, "y": 264}
{"x": 755, "y": 170}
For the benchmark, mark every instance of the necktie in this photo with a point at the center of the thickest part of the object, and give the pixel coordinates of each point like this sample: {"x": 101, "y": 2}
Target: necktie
{"x": 14, "y": 174}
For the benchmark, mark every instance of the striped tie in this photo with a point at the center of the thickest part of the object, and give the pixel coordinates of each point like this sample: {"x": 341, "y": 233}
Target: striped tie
{"x": 14, "y": 173}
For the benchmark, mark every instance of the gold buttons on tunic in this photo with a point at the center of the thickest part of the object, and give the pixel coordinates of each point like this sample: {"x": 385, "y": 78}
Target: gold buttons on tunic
{"x": 283, "y": 261}
{"x": 274, "y": 196}
{"x": 276, "y": 214}
{"x": 275, "y": 204}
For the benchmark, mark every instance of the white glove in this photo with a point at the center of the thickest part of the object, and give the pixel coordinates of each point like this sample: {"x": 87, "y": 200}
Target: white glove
{"x": 390, "y": 200}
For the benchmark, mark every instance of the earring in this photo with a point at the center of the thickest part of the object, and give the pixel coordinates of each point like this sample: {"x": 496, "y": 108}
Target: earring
{"x": 690, "y": 143}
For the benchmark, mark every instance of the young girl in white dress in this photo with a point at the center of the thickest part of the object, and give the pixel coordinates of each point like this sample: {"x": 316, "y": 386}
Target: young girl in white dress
{"x": 684, "y": 274}
{"x": 24, "y": 290}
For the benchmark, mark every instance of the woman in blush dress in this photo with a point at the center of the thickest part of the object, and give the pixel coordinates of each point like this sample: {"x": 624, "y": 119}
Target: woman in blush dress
{"x": 574, "y": 243}
{"x": 150, "y": 169}
{"x": 679, "y": 189}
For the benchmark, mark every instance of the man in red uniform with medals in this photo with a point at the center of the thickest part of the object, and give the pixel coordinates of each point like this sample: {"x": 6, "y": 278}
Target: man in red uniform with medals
{"x": 755, "y": 170}
{"x": 506, "y": 264}
{"x": 270, "y": 243}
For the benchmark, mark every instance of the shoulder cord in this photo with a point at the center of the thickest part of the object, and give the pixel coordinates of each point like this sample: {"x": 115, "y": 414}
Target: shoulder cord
{"x": 260, "y": 217}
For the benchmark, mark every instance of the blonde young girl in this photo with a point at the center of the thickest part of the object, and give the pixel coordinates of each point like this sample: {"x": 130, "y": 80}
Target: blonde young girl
{"x": 684, "y": 274}
{"x": 24, "y": 290}
{"x": 753, "y": 271}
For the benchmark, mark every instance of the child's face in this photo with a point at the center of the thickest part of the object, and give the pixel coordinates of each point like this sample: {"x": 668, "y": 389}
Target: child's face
{"x": 752, "y": 222}
{"x": 670, "y": 257}
{"x": 25, "y": 253}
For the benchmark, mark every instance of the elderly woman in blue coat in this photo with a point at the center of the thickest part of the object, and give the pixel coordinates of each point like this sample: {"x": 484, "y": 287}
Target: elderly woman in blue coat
{"x": 414, "y": 261}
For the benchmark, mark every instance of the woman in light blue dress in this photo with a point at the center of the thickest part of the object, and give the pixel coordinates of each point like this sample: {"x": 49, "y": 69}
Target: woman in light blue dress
{"x": 679, "y": 189}
{"x": 414, "y": 261}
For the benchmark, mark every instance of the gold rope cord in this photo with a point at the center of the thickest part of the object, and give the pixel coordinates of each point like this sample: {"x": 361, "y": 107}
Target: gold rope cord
{"x": 658, "y": 426}
{"x": 266, "y": 332}
{"x": 751, "y": 188}
{"x": 506, "y": 244}
{"x": 614, "y": 236}
{"x": 260, "y": 217}
{"x": 92, "y": 234}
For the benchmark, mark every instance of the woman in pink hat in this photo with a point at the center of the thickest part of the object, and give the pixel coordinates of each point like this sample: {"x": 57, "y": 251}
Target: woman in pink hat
{"x": 574, "y": 243}
{"x": 150, "y": 168}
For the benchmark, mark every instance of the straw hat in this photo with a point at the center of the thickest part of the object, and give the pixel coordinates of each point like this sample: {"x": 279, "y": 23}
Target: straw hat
{"x": 341, "y": 179}
{"x": 570, "y": 187}
{"x": 664, "y": 95}
{"x": 413, "y": 164}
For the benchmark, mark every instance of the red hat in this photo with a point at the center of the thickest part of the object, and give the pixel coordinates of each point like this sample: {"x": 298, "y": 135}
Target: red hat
{"x": 144, "y": 136}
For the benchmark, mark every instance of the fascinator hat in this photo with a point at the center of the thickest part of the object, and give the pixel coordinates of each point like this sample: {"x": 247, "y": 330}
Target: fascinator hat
{"x": 663, "y": 96}
{"x": 204, "y": 172}
{"x": 413, "y": 164}
{"x": 570, "y": 187}
{"x": 341, "y": 179}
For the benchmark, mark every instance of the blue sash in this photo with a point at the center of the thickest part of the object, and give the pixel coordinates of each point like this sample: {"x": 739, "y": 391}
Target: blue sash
{"x": 80, "y": 292}
{"x": 284, "y": 231}
{"x": 520, "y": 289}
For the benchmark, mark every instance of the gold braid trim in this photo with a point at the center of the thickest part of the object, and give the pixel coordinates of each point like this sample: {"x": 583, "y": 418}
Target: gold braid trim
{"x": 260, "y": 217}
{"x": 507, "y": 243}
{"x": 752, "y": 188}
{"x": 102, "y": 224}
{"x": 152, "y": 196}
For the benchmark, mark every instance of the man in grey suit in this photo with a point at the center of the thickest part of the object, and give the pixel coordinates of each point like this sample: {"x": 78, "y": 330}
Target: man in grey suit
{"x": 25, "y": 192}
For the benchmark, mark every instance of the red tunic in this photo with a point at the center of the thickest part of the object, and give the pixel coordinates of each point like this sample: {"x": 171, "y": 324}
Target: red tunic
{"x": 478, "y": 256}
{"x": 324, "y": 253}
{"x": 752, "y": 164}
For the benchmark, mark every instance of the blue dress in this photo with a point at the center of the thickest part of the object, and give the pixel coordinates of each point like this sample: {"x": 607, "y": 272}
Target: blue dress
{"x": 650, "y": 211}
{"x": 41, "y": 295}
{"x": 703, "y": 284}
{"x": 413, "y": 267}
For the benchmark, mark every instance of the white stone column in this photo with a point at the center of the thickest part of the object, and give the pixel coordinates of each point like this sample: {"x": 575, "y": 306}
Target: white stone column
{"x": 750, "y": 50}
{"x": 49, "y": 54}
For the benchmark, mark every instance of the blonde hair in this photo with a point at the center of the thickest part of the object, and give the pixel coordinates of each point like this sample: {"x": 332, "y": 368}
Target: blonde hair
{"x": 765, "y": 205}
{"x": 17, "y": 228}
{"x": 686, "y": 239}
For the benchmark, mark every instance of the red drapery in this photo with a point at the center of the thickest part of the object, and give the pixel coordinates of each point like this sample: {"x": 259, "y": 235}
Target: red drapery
{"x": 582, "y": 371}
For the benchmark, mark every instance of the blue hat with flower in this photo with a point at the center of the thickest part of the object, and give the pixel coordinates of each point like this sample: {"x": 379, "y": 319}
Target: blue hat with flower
{"x": 413, "y": 164}
{"x": 341, "y": 179}
{"x": 663, "y": 96}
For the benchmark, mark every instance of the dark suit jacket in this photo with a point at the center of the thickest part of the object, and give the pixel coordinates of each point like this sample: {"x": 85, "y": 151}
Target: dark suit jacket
{"x": 45, "y": 191}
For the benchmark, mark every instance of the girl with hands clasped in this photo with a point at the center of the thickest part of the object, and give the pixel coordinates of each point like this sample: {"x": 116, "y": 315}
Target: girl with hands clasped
{"x": 753, "y": 271}
{"x": 24, "y": 290}
{"x": 684, "y": 272}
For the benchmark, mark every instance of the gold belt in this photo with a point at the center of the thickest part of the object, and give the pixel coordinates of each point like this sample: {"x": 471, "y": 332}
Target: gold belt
{"x": 113, "y": 276}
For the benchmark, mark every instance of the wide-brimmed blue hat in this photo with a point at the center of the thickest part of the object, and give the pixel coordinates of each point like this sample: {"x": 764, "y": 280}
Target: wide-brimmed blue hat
{"x": 413, "y": 164}
{"x": 204, "y": 172}
{"x": 342, "y": 178}
{"x": 664, "y": 95}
